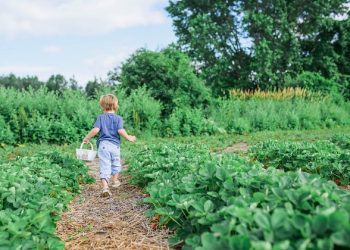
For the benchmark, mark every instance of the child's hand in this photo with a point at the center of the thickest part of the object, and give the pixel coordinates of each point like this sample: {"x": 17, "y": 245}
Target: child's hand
{"x": 86, "y": 140}
{"x": 131, "y": 138}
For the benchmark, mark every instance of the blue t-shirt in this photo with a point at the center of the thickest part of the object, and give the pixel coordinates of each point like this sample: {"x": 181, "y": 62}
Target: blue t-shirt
{"x": 109, "y": 124}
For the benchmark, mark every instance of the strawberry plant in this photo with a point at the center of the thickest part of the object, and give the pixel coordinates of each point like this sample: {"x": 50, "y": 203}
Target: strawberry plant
{"x": 323, "y": 158}
{"x": 228, "y": 202}
{"x": 33, "y": 192}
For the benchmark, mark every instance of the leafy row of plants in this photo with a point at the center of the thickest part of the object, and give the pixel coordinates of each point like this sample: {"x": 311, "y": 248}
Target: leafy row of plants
{"x": 33, "y": 192}
{"x": 324, "y": 157}
{"x": 66, "y": 117}
{"x": 229, "y": 202}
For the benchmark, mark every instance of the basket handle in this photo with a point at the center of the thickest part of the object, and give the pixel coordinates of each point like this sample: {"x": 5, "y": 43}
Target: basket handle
{"x": 92, "y": 147}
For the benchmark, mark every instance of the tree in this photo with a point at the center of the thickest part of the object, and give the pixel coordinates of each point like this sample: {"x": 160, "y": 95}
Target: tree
{"x": 12, "y": 81}
{"x": 73, "y": 84}
{"x": 57, "y": 83}
{"x": 282, "y": 39}
{"x": 210, "y": 33}
{"x": 92, "y": 87}
{"x": 169, "y": 76}
{"x": 291, "y": 36}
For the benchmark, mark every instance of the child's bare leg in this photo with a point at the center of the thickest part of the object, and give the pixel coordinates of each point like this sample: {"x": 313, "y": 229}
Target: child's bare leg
{"x": 115, "y": 177}
{"x": 104, "y": 183}
{"x": 115, "y": 182}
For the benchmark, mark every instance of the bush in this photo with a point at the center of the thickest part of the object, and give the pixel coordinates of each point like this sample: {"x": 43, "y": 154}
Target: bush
{"x": 315, "y": 82}
{"x": 236, "y": 115}
{"x": 168, "y": 75}
{"x": 6, "y": 135}
{"x": 140, "y": 111}
{"x": 185, "y": 121}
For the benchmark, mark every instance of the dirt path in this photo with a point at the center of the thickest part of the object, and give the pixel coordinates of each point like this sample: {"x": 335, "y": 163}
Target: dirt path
{"x": 93, "y": 222}
{"x": 238, "y": 147}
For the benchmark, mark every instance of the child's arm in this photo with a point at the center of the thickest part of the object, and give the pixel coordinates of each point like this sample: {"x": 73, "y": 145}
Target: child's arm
{"x": 92, "y": 133}
{"x": 123, "y": 133}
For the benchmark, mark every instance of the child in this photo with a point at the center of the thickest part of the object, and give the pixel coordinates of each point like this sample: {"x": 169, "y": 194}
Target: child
{"x": 110, "y": 127}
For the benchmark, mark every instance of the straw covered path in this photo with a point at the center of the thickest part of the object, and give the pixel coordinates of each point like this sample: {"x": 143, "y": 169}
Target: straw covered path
{"x": 93, "y": 222}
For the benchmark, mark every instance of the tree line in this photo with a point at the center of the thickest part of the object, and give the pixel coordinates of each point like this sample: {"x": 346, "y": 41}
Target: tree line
{"x": 56, "y": 83}
{"x": 265, "y": 44}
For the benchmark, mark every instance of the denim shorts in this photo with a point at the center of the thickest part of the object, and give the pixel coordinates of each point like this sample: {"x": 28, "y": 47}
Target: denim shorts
{"x": 109, "y": 155}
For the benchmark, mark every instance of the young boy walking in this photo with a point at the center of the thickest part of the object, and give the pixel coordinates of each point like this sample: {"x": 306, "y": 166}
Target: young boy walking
{"x": 110, "y": 127}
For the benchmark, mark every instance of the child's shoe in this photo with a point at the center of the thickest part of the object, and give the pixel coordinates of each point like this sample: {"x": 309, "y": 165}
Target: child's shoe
{"x": 116, "y": 184}
{"x": 106, "y": 193}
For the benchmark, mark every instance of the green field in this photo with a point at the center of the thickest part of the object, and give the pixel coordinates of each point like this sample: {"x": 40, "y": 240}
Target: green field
{"x": 280, "y": 194}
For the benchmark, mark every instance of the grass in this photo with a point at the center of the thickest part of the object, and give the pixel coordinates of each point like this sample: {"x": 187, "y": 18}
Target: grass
{"x": 214, "y": 142}
{"x": 219, "y": 142}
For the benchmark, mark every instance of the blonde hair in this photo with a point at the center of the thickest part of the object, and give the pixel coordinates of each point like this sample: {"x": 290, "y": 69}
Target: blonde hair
{"x": 109, "y": 102}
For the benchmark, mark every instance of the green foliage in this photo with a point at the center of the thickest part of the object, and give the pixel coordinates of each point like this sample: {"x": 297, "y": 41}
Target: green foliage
{"x": 62, "y": 131}
{"x": 209, "y": 32}
{"x": 6, "y": 135}
{"x": 315, "y": 82}
{"x": 341, "y": 140}
{"x": 93, "y": 88}
{"x": 323, "y": 158}
{"x": 250, "y": 44}
{"x": 66, "y": 117}
{"x": 169, "y": 77}
{"x": 58, "y": 118}
{"x": 56, "y": 83}
{"x": 184, "y": 121}
{"x": 140, "y": 110}
{"x": 240, "y": 116}
{"x": 34, "y": 191}
{"x": 228, "y": 202}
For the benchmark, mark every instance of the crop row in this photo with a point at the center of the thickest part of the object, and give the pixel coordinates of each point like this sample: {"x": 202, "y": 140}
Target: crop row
{"x": 330, "y": 159}
{"x": 33, "y": 192}
{"x": 229, "y": 202}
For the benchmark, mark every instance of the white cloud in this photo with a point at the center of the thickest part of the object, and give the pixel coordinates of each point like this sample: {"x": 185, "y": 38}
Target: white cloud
{"x": 100, "y": 65}
{"x": 26, "y": 69}
{"x": 59, "y": 17}
{"x": 52, "y": 49}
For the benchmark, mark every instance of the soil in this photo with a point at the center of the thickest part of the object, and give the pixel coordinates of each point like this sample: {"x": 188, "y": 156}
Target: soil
{"x": 117, "y": 222}
{"x": 238, "y": 147}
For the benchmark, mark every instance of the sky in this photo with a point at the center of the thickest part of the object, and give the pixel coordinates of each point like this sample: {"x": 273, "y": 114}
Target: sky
{"x": 83, "y": 39}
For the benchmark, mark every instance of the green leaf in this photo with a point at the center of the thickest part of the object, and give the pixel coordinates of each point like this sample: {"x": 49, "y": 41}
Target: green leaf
{"x": 338, "y": 220}
{"x": 55, "y": 244}
{"x": 208, "y": 206}
{"x": 221, "y": 173}
{"x": 209, "y": 241}
{"x": 261, "y": 245}
{"x": 289, "y": 208}
{"x": 220, "y": 229}
{"x": 279, "y": 216}
{"x": 239, "y": 242}
{"x": 259, "y": 197}
{"x": 262, "y": 220}
{"x": 341, "y": 238}
{"x": 282, "y": 245}
{"x": 324, "y": 244}
{"x": 303, "y": 244}
{"x": 319, "y": 224}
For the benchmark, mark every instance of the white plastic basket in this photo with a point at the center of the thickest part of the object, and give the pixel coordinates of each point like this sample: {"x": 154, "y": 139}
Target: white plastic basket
{"x": 86, "y": 154}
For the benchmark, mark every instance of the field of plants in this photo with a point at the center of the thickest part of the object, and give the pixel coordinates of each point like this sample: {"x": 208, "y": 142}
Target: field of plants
{"x": 34, "y": 190}
{"x": 289, "y": 191}
{"x": 66, "y": 117}
{"x": 278, "y": 196}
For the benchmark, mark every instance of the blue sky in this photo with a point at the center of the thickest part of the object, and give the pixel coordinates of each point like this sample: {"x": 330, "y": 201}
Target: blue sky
{"x": 80, "y": 38}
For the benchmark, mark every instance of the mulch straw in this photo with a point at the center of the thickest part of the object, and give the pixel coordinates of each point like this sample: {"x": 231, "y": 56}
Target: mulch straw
{"x": 94, "y": 222}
